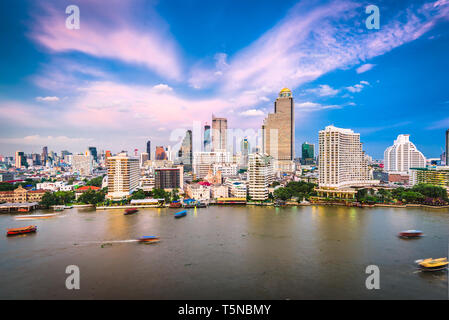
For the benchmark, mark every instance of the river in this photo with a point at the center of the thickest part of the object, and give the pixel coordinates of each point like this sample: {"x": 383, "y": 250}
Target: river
{"x": 314, "y": 252}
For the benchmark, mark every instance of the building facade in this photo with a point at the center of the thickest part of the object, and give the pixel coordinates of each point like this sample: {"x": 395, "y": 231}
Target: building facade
{"x": 260, "y": 176}
{"x": 123, "y": 176}
{"x": 402, "y": 156}
{"x": 169, "y": 178}
{"x": 438, "y": 176}
{"x": 21, "y": 195}
{"x": 278, "y": 132}
{"x": 219, "y": 134}
{"x": 307, "y": 153}
{"x": 342, "y": 161}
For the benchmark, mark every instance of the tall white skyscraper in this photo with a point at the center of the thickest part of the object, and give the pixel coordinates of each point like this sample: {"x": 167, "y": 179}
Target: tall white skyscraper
{"x": 123, "y": 176}
{"x": 402, "y": 156}
{"x": 219, "y": 134}
{"x": 342, "y": 162}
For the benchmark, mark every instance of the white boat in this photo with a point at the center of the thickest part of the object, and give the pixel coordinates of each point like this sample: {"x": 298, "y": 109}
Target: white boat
{"x": 35, "y": 216}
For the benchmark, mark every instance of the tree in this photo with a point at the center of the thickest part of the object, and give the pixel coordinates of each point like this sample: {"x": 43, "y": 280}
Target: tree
{"x": 139, "y": 194}
{"x": 161, "y": 194}
{"x": 48, "y": 200}
{"x": 97, "y": 182}
{"x": 174, "y": 195}
{"x": 91, "y": 197}
{"x": 282, "y": 194}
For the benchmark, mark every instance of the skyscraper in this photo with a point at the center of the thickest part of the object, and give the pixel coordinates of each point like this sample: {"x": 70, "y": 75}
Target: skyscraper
{"x": 123, "y": 176}
{"x": 447, "y": 147}
{"x": 402, "y": 156}
{"x": 342, "y": 162}
{"x": 185, "y": 151}
{"x": 278, "y": 131}
{"x": 149, "y": 149}
{"x": 44, "y": 156}
{"x": 93, "y": 153}
{"x": 308, "y": 153}
{"x": 219, "y": 133}
{"x": 207, "y": 146}
{"x": 20, "y": 160}
{"x": 160, "y": 153}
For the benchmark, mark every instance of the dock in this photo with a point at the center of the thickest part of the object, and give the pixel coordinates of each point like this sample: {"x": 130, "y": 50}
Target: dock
{"x": 18, "y": 207}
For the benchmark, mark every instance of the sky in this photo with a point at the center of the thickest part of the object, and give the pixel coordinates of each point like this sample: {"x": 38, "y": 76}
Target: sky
{"x": 149, "y": 70}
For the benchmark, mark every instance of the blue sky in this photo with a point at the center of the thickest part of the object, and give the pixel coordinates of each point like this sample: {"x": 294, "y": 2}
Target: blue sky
{"x": 139, "y": 70}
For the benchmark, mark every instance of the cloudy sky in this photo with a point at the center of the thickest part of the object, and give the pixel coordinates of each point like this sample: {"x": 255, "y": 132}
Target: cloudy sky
{"x": 138, "y": 70}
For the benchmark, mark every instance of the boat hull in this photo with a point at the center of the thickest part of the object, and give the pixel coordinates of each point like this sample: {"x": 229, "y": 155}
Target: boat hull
{"x": 18, "y": 231}
{"x": 130, "y": 211}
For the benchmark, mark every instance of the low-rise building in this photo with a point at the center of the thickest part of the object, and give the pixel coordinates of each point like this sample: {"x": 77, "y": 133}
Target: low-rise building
{"x": 21, "y": 195}
{"x": 219, "y": 191}
{"x": 200, "y": 192}
{"x": 438, "y": 176}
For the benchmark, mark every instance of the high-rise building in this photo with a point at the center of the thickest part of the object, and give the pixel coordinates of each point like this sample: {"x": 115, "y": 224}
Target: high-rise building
{"x": 44, "y": 156}
{"x": 342, "y": 161}
{"x": 169, "y": 178}
{"x": 219, "y": 133}
{"x": 93, "y": 153}
{"x": 160, "y": 153}
{"x": 402, "y": 156}
{"x": 207, "y": 141}
{"x": 83, "y": 164}
{"x": 260, "y": 176}
{"x": 149, "y": 148}
{"x": 447, "y": 147}
{"x": 144, "y": 157}
{"x": 308, "y": 153}
{"x": 185, "y": 156}
{"x": 278, "y": 132}
{"x": 123, "y": 176}
{"x": 20, "y": 159}
{"x": 244, "y": 148}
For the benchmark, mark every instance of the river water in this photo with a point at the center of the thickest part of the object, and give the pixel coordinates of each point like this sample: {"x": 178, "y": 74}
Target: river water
{"x": 313, "y": 252}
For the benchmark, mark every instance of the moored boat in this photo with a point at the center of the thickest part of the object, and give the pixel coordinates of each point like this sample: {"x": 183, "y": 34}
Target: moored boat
{"x": 149, "y": 239}
{"x": 175, "y": 204}
{"x": 130, "y": 211}
{"x": 35, "y": 216}
{"x": 17, "y": 231}
{"x": 180, "y": 214}
{"x": 410, "y": 234}
{"x": 433, "y": 264}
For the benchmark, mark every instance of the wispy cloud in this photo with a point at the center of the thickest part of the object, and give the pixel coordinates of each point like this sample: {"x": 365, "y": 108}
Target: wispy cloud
{"x": 358, "y": 87}
{"x": 106, "y": 32}
{"x": 324, "y": 90}
{"x": 47, "y": 99}
{"x": 252, "y": 113}
{"x": 365, "y": 67}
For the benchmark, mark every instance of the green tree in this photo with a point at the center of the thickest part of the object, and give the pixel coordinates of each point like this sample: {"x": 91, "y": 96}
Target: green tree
{"x": 282, "y": 194}
{"x": 139, "y": 194}
{"x": 91, "y": 197}
{"x": 48, "y": 200}
{"x": 174, "y": 195}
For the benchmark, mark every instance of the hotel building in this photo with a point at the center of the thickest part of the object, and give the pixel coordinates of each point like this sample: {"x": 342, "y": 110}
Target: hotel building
{"x": 342, "y": 163}
{"x": 260, "y": 176}
{"x": 169, "y": 178}
{"x": 438, "y": 176}
{"x": 278, "y": 132}
{"x": 402, "y": 156}
{"x": 123, "y": 176}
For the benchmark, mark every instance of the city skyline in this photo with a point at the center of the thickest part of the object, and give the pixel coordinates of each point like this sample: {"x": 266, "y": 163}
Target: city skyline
{"x": 68, "y": 89}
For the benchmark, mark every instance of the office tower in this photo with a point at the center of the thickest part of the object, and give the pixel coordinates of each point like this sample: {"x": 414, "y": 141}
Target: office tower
{"x": 342, "y": 162}
{"x": 308, "y": 153}
{"x": 123, "y": 176}
{"x": 244, "y": 148}
{"x": 160, "y": 153}
{"x": 169, "y": 178}
{"x": 36, "y": 158}
{"x": 144, "y": 157}
{"x": 402, "y": 156}
{"x": 83, "y": 164}
{"x": 93, "y": 153}
{"x": 44, "y": 156}
{"x": 260, "y": 176}
{"x": 278, "y": 132}
{"x": 447, "y": 147}
{"x": 207, "y": 145}
{"x": 149, "y": 149}
{"x": 203, "y": 161}
{"x": 219, "y": 132}
{"x": 185, "y": 151}
{"x": 20, "y": 159}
